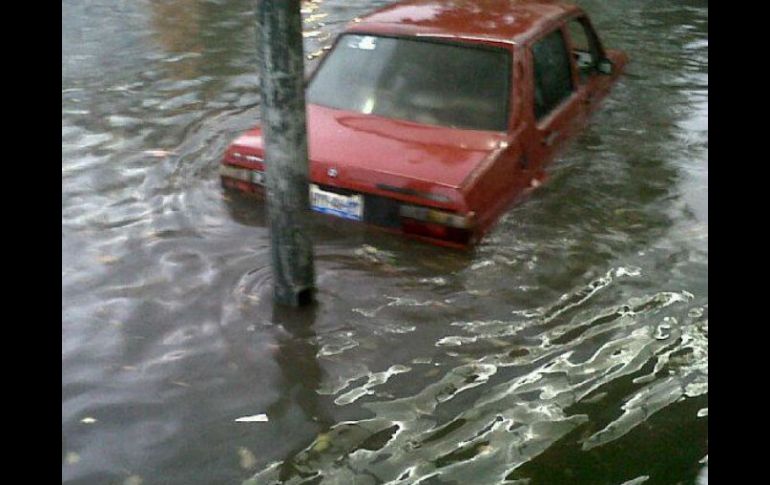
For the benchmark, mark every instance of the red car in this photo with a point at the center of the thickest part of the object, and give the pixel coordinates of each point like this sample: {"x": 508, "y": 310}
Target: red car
{"x": 431, "y": 117}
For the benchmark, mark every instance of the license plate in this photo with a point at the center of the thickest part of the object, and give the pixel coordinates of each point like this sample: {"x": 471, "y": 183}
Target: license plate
{"x": 346, "y": 206}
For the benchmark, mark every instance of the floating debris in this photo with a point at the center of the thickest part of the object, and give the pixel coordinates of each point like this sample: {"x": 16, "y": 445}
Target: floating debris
{"x": 322, "y": 442}
{"x": 257, "y": 418}
{"x": 158, "y": 153}
{"x": 422, "y": 360}
{"x": 72, "y": 458}
{"x": 373, "y": 255}
{"x": 107, "y": 259}
{"x": 133, "y": 480}
{"x": 247, "y": 458}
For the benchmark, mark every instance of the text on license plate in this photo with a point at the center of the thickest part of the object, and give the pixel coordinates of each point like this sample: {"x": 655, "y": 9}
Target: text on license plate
{"x": 347, "y": 206}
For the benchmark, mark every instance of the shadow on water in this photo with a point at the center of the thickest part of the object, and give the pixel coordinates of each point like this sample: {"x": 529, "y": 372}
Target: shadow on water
{"x": 296, "y": 356}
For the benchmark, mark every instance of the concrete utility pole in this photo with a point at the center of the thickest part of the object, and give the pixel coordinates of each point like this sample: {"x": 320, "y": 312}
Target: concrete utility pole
{"x": 284, "y": 130}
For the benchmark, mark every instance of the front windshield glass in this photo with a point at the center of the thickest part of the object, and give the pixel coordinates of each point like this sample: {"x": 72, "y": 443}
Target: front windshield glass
{"x": 447, "y": 84}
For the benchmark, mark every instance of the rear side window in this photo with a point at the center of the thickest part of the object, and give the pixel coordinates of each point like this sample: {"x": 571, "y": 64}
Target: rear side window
{"x": 585, "y": 47}
{"x": 553, "y": 75}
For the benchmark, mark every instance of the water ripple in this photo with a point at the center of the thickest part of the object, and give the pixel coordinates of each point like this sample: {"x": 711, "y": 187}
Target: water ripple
{"x": 576, "y": 331}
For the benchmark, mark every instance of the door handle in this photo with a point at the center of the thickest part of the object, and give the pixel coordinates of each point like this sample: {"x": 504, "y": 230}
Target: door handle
{"x": 550, "y": 138}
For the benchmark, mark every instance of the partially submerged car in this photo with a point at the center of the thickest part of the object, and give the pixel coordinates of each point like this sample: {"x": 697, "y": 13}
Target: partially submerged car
{"x": 432, "y": 117}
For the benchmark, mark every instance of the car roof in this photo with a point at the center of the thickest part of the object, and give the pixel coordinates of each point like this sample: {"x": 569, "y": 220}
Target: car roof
{"x": 503, "y": 21}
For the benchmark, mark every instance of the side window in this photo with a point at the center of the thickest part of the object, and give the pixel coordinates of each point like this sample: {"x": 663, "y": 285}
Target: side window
{"x": 553, "y": 74}
{"x": 585, "y": 48}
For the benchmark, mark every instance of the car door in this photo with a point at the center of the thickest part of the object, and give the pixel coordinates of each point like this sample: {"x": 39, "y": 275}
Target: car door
{"x": 587, "y": 52}
{"x": 556, "y": 106}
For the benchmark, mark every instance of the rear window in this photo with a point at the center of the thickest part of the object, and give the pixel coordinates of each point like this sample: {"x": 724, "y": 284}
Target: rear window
{"x": 447, "y": 84}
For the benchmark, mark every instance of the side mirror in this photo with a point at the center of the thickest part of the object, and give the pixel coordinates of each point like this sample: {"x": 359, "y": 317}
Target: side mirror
{"x": 605, "y": 66}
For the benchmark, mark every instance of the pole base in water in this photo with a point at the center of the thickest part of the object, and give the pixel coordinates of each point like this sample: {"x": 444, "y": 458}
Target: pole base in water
{"x": 294, "y": 298}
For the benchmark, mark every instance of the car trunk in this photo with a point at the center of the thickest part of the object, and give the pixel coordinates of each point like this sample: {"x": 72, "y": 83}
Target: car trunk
{"x": 402, "y": 159}
{"x": 371, "y": 147}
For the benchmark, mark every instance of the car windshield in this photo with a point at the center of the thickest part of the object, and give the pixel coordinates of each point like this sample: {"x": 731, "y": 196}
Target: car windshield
{"x": 439, "y": 83}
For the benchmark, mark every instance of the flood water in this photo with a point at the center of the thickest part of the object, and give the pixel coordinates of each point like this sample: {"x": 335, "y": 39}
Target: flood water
{"x": 570, "y": 347}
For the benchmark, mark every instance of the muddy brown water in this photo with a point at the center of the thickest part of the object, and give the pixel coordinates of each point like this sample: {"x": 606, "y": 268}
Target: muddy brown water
{"x": 571, "y": 346}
